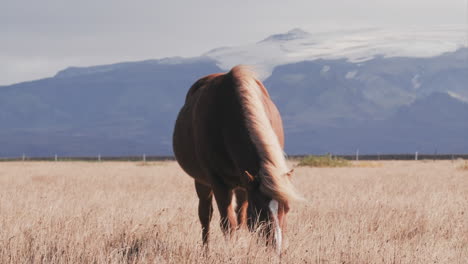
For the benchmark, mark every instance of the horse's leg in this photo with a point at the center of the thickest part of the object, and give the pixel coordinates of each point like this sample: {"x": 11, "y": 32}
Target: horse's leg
{"x": 241, "y": 210}
{"x": 224, "y": 199}
{"x": 205, "y": 209}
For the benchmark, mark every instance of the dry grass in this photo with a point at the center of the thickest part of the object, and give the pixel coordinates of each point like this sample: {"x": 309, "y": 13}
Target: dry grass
{"x": 464, "y": 165}
{"x": 367, "y": 164}
{"x": 122, "y": 212}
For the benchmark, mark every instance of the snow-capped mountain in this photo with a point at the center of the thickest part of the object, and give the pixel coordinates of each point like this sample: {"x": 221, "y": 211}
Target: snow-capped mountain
{"x": 377, "y": 90}
{"x": 354, "y": 45}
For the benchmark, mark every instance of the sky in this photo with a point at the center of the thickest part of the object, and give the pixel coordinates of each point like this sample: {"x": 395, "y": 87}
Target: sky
{"x": 39, "y": 38}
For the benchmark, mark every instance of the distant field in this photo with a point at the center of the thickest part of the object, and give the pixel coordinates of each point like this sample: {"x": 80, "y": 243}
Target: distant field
{"x": 134, "y": 212}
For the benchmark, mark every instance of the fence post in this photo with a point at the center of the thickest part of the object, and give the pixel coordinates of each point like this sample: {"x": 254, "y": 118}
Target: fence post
{"x": 416, "y": 156}
{"x": 99, "y": 157}
{"x": 56, "y": 158}
{"x": 144, "y": 158}
{"x": 357, "y": 154}
{"x": 24, "y": 156}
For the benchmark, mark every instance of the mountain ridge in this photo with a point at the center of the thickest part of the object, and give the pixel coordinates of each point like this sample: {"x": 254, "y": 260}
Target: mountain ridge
{"x": 381, "y": 105}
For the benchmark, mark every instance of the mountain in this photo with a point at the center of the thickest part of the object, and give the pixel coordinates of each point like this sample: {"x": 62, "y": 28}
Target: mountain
{"x": 337, "y": 92}
{"x": 340, "y": 106}
{"x": 437, "y": 123}
{"x": 120, "y": 109}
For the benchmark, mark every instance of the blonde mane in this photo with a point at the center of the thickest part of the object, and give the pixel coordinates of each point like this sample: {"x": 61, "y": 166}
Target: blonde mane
{"x": 273, "y": 168}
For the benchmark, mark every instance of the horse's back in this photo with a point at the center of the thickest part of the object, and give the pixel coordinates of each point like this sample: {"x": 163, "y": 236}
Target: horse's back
{"x": 210, "y": 135}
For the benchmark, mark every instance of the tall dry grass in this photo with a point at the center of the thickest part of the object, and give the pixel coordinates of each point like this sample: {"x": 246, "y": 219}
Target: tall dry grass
{"x": 123, "y": 212}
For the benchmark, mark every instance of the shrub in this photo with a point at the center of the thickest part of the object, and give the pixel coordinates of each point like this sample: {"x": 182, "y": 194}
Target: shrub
{"x": 324, "y": 161}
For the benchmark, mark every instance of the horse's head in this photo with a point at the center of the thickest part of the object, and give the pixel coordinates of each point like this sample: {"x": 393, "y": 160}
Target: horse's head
{"x": 266, "y": 212}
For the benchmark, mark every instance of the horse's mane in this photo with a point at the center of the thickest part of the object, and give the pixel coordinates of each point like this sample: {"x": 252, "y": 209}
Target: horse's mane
{"x": 273, "y": 168}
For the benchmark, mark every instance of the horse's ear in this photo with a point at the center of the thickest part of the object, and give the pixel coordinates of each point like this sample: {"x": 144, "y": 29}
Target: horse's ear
{"x": 251, "y": 178}
{"x": 290, "y": 173}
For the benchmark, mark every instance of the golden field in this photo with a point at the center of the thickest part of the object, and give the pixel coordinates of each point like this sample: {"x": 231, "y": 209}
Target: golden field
{"x": 133, "y": 212}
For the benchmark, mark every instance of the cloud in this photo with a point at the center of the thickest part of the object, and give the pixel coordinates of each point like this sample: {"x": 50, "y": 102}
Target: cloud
{"x": 107, "y": 31}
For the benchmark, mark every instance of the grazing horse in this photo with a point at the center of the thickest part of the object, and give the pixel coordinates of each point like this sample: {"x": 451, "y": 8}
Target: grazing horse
{"x": 229, "y": 138}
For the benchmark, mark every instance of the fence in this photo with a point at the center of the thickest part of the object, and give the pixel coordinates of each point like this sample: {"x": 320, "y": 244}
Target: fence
{"x": 144, "y": 157}
{"x": 415, "y": 156}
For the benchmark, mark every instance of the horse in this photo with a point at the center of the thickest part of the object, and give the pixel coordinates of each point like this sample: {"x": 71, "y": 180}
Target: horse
{"x": 229, "y": 138}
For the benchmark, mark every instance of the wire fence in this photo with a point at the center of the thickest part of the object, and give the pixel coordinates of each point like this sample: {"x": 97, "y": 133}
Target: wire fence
{"x": 407, "y": 156}
{"x": 145, "y": 158}
{"x": 98, "y": 158}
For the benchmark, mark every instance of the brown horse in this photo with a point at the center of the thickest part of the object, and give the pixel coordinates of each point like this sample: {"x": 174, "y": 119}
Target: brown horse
{"x": 229, "y": 138}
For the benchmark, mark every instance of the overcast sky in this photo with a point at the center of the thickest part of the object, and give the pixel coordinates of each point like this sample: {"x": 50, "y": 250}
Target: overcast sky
{"x": 38, "y": 38}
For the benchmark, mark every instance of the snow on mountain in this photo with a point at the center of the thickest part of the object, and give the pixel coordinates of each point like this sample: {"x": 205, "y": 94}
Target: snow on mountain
{"x": 457, "y": 96}
{"x": 355, "y": 45}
